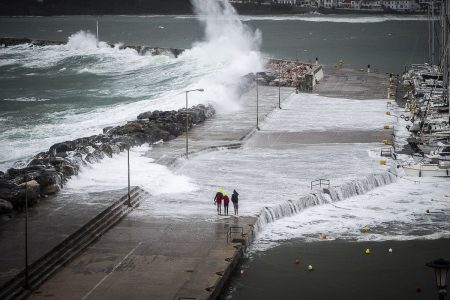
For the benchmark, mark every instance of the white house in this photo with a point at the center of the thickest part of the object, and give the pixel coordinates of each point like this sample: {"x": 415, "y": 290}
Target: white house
{"x": 401, "y": 5}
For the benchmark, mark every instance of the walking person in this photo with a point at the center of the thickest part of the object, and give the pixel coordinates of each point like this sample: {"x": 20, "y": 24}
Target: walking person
{"x": 218, "y": 201}
{"x": 226, "y": 201}
{"x": 235, "y": 200}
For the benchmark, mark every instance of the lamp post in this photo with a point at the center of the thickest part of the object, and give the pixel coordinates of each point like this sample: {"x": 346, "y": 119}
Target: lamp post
{"x": 279, "y": 85}
{"x": 440, "y": 267}
{"x": 257, "y": 103}
{"x": 128, "y": 161}
{"x": 187, "y": 117}
{"x": 27, "y": 282}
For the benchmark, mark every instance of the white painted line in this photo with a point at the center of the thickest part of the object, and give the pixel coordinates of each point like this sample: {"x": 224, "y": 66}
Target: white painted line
{"x": 113, "y": 269}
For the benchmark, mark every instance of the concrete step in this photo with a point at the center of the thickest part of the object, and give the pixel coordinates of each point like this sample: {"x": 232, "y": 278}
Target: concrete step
{"x": 47, "y": 265}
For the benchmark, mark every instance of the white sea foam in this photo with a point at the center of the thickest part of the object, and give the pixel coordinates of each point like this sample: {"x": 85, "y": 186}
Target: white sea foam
{"x": 26, "y": 99}
{"x": 111, "y": 174}
{"x": 323, "y": 18}
{"x": 394, "y": 212}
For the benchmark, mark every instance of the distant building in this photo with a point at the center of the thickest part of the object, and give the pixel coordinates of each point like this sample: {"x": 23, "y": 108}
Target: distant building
{"x": 401, "y": 5}
{"x": 329, "y": 3}
{"x": 371, "y": 4}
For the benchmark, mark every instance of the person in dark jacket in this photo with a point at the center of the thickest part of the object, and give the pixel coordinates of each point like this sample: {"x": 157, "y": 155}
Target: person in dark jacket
{"x": 235, "y": 200}
{"x": 218, "y": 200}
{"x": 226, "y": 201}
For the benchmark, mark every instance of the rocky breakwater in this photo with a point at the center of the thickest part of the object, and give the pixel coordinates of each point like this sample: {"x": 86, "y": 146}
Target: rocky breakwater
{"x": 284, "y": 73}
{"x": 46, "y": 172}
{"x": 141, "y": 50}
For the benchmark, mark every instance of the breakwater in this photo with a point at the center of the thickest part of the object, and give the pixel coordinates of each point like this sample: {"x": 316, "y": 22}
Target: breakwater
{"x": 142, "y": 50}
{"x": 47, "y": 171}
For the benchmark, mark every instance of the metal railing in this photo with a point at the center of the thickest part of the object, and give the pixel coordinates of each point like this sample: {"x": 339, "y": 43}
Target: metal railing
{"x": 234, "y": 229}
{"x": 320, "y": 182}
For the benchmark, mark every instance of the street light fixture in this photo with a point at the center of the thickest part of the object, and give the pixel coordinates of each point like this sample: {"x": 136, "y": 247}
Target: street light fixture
{"x": 187, "y": 117}
{"x": 27, "y": 276}
{"x": 128, "y": 163}
{"x": 257, "y": 103}
{"x": 441, "y": 267}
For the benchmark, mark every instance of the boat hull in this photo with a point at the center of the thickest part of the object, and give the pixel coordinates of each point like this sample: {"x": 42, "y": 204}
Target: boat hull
{"x": 426, "y": 171}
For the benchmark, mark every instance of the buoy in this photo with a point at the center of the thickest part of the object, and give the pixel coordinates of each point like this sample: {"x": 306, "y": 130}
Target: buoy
{"x": 387, "y": 127}
{"x": 310, "y": 268}
{"x": 324, "y": 237}
{"x": 297, "y": 261}
{"x": 388, "y": 113}
{"x": 390, "y": 250}
{"x": 366, "y": 228}
{"x": 367, "y": 251}
{"x": 383, "y": 162}
{"x": 386, "y": 142}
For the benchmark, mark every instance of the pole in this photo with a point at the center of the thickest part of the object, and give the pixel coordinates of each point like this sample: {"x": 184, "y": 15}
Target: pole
{"x": 187, "y": 126}
{"x": 432, "y": 32}
{"x": 97, "y": 34}
{"x": 129, "y": 196}
{"x": 27, "y": 282}
{"x": 257, "y": 104}
{"x": 279, "y": 87}
{"x": 429, "y": 34}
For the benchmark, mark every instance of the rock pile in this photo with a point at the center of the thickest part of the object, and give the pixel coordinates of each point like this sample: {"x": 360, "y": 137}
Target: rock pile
{"x": 47, "y": 171}
{"x": 288, "y": 73}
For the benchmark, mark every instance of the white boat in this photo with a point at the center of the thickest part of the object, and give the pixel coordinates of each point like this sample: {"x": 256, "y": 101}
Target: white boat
{"x": 427, "y": 170}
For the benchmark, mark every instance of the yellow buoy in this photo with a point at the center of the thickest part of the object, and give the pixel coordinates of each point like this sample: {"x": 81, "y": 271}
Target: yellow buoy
{"x": 383, "y": 162}
{"x": 388, "y": 113}
{"x": 387, "y": 127}
{"x": 366, "y": 228}
{"x": 367, "y": 251}
{"x": 386, "y": 142}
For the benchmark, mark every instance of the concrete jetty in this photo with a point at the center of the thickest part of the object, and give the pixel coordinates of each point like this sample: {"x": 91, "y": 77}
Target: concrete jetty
{"x": 163, "y": 257}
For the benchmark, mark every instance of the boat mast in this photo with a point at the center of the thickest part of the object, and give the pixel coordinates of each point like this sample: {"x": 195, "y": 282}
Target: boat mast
{"x": 429, "y": 35}
{"x": 432, "y": 32}
{"x": 97, "y": 34}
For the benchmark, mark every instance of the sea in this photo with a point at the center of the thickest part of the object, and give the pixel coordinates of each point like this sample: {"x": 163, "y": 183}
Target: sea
{"x": 51, "y": 94}
{"x": 54, "y": 93}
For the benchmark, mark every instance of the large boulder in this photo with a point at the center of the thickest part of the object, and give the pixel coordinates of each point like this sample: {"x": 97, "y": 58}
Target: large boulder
{"x": 144, "y": 115}
{"x": 49, "y": 177}
{"x": 62, "y": 147}
{"x": 32, "y": 190}
{"x": 51, "y": 189}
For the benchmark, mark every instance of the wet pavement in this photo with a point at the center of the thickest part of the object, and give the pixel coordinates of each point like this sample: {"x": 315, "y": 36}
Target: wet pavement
{"x": 352, "y": 84}
{"x": 151, "y": 258}
{"x": 49, "y": 223}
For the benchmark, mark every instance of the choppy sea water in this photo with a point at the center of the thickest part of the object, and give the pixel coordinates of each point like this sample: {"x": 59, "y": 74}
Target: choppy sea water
{"x": 55, "y": 93}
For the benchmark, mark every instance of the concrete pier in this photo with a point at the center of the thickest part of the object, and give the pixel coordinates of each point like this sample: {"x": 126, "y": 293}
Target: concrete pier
{"x": 146, "y": 256}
